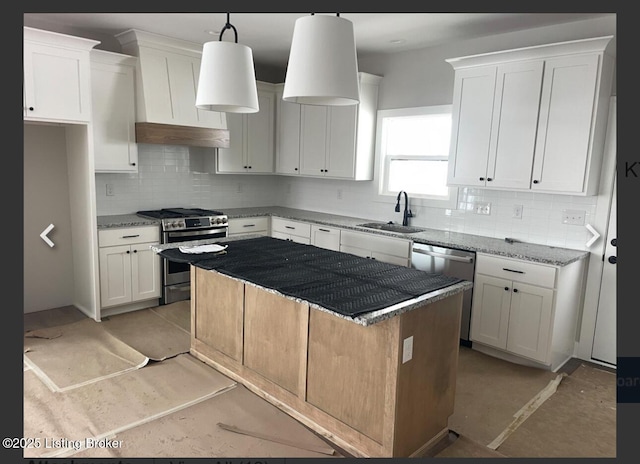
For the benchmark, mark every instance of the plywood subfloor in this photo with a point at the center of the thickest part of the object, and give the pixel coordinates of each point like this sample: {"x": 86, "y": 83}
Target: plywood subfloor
{"x": 577, "y": 420}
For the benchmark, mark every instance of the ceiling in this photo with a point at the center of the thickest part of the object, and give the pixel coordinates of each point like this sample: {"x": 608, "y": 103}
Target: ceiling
{"x": 269, "y": 34}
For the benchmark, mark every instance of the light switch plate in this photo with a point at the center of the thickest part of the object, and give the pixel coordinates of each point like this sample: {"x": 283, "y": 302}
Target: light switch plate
{"x": 517, "y": 211}
{"x": 110, "y": 192}
{"x": 482, "y": 207}
{"x": 407, "y": 349}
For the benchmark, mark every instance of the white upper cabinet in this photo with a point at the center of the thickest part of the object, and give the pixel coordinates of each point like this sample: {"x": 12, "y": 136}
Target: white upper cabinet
{"x": 57, "y": 84}
{"x": 167, "y": 80}
{"x": 114, "y": 112}
{"x": 532, "y": 118}
{"x": 251, "y": 137}
{"x": 329, "y": 141}
{"x": 287, "y": 134}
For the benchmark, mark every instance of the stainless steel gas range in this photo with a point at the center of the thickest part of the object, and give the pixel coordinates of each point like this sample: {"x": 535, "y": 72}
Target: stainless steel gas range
{"x": 184, "y": 225}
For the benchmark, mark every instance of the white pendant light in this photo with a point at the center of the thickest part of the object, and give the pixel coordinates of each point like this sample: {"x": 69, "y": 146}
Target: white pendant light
{"x": 227, "y": 81}
{"x": 323, "y": 68}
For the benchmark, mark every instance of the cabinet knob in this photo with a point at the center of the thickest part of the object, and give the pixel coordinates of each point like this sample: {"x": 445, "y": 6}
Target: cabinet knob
{"x": 128, "y": 252}
{"x": 506, "y": 289}
{"x": 135, "y": 251}
{"x": 536, "y": 181}
{"x": 295, "y": 169}
{"x": 245, "y": 167}
{"x": 489, "y": 179}
{"x": 515, "y": 290}
{"x": 614, "y": 242}
{"x": 249, "y": 167}
{"x": 482, "y": 178}
{"x": 612, "y": 259}
{"x": 133, "y": 164}
{"x": 31, "y": 108}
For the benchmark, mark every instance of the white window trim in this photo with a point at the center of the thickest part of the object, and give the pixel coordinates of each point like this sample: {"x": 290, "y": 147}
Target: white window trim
{"x": 416, "y": 199}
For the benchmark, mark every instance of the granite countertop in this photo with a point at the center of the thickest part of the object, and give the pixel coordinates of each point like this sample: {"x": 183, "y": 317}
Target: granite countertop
{"x": 366, "y": 319}
{"x": 545, "y": 254}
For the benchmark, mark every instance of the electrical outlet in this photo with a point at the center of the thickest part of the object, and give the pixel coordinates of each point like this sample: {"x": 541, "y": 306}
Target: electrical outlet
{"x": 482, "y": 207}
{"x": 110, "y": 191}
{"x": 339, "y": 194}
{"x": 573, "y": 216}
{"x": 239, "y": 188}
{"x": 517, "y": 211}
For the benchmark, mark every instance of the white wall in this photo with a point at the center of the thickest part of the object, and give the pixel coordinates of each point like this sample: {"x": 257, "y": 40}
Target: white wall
{"x": 48, "y": 272}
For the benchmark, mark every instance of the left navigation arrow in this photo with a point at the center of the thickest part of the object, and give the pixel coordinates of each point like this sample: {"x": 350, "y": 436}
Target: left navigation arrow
{"x": 44, "y": 237}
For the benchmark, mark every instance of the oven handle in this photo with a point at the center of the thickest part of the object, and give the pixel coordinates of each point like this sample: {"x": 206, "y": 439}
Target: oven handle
{"x": 444, "y": 256}
{"x": 191, "y": 233}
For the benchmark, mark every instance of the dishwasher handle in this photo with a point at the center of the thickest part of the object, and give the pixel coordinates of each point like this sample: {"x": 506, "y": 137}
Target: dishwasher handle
{"x": 462, "y": 259}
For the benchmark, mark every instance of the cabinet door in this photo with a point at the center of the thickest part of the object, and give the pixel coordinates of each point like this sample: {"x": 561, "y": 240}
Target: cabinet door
{"x": 355, "y": 251}
{"x": 515, "y": 120}
{"x": 530, "y": 321}
{"x": 325, "y": 237}
{"x": 233, "y": 159}
{"x": 564, "y": 126}
{"x": 288, "y": 137}
{"x": 115, "y": 275}
{"x": 260, "y": 134}
{"x": 473, "y": 97}
{"x": 56, "y": 83}
{"x": 113, "y": 110}
{"x": 145, "y": 272}
{"x": 313, "y": 140}
{"x": 490, "y": 311}
{"x": 341, "y": 143}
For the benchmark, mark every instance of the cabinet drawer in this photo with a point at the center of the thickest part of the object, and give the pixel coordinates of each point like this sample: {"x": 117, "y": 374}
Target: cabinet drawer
{"x": 375, "y": 243}
{"x": 286, "y": 226}
{"x": 128, "y": 235}
{"x": 513, "y": 269}
{"x": 248, "y": 225}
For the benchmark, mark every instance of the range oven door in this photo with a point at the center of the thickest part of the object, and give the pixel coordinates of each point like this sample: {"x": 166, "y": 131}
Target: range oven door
{"x": 178, "y": 273}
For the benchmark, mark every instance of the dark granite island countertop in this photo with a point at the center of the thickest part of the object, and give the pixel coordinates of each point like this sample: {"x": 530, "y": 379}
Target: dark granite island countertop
{"x": 350, "y": 287}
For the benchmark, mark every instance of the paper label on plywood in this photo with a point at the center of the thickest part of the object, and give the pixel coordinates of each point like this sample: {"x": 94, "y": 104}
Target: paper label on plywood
{"x": 407, "y": 349}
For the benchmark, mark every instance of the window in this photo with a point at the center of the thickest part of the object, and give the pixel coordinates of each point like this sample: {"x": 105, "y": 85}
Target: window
{"x": 413, "y": 147}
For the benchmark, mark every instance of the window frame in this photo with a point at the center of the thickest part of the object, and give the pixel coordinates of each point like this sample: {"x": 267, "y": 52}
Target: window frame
{"x": 385, "y": 160}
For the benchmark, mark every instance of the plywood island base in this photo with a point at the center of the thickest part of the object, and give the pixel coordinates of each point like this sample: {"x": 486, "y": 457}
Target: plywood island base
{"x": 345, "y": 381}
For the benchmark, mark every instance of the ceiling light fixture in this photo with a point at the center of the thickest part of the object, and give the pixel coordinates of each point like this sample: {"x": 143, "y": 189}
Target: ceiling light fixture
{"x": 323, "y": 67}
{"x": 227, "y": 81}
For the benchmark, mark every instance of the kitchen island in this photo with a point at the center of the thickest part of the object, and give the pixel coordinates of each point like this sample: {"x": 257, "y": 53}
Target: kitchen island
{"x": 288, "y": 321}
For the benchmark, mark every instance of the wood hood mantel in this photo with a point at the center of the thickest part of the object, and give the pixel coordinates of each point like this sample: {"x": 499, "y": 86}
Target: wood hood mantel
{"x": 168, "y": 134}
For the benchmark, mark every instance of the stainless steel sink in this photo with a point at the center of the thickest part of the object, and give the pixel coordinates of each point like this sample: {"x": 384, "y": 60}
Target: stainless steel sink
{"x": 392, "y": 227}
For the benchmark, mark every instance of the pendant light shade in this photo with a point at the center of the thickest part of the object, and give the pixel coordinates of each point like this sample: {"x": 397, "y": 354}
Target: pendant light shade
{"x": 227, "y": 81}
{"x": 323, "y": 68}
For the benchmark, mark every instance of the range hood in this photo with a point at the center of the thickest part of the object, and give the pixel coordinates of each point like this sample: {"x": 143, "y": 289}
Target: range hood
{"x": 171, "y": 134}
{"x": 166, "y": 85}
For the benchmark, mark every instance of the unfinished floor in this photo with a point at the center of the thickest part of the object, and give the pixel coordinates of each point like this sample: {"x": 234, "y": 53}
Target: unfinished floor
{"x": 130, "y": 382}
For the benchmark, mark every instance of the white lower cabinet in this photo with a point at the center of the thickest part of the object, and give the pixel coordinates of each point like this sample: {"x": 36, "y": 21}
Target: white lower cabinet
{"x": 526, "y": 309}
{"x": 325, "y": 237}
{"x": 129, "y": 269}
{"x": 287, "y": 229}
{"x": 387, "y": 249}
{"x": 248, "y": 226}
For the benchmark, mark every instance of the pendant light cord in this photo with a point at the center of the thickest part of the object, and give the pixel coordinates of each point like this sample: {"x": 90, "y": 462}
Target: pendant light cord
{"x": 228, "y": 25}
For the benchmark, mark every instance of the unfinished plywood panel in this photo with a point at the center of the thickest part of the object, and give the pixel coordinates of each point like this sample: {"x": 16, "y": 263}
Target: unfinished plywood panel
{"x": 219, "y": 302}
{"x": 349, "y": 369}
{"x": 426, "y": 382}
{"x": 275, "y": 338}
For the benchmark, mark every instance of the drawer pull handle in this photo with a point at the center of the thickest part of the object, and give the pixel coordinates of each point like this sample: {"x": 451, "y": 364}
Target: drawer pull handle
{"x": 131, "y": 236}
{"x": 249, "y": 225}
{"x": 512, "y": 270}
{"x": 289, "y": 227}
{"x": 325, "y": 230}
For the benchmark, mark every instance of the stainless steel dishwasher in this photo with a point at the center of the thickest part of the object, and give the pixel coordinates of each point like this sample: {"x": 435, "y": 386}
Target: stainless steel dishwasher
{"x": 450, "y": 262}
